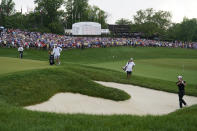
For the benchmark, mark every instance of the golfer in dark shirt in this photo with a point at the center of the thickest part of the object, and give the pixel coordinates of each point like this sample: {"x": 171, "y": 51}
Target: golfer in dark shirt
{"x": 181, "y": 85}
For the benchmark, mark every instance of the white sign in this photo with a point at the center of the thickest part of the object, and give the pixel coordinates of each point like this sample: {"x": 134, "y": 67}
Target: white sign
{"x": 86, "y": 28}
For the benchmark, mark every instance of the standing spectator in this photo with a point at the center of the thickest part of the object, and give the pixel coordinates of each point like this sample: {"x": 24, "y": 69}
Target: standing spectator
{"x": 56, "y": 52}
{"x": 20, "y": 50}
{"x": 181, "y": 85}
{"x": 129, "y": 67}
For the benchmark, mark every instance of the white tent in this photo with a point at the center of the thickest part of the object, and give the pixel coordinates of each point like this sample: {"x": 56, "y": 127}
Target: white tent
{"x": 86, "y": 28}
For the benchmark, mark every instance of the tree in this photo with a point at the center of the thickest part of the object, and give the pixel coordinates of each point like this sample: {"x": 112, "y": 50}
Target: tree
{"x": 102, "y": 15}
{"x": 123, "y": 21}
{"x": 151, "y": 22}
{"x": 49, "y": 8}
{"x": 184, "y": 31}
{"x": 6, "y": 9}
{"x": 69, "y": 14}
{"x": 95, "y": 14}
{"x": 80, "y": 10}
{"x": 50, "y": 13}
{"x": 76, "y": 11}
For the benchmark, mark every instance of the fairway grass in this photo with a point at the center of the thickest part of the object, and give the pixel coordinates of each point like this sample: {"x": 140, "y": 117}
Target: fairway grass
{"x": 10, "y": 65}
{"x": 32, "y": 81}
{"x": 164, "y": 69}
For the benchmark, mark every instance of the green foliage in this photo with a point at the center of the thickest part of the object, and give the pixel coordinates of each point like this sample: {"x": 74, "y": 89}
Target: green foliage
{"x": 56, "y": 27}
{"x": 6, "y": 9}
{"x": 41, "y": 29}
{"x": 184, "y": 31}
{"x": 151, "y": 23}
{"x": 161, "y": 18}
{"x": 123, "y": 21}
{"x": 97, "y": 15}
{"x": 80, "y": 10}
{"x": 69, "y": 14}
{"x": 47, "y": 16}
{"x": 49, "y": 8}
{"x": 16, "y": 20}
{"x": 50, "y": 14}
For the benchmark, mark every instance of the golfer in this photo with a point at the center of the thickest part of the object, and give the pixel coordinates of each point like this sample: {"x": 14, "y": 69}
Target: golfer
{"x": 56, "y": 52}
{"x": 181, "y": 86}
{"x": 20, "y": 50}
{"x": 129, "y": 67}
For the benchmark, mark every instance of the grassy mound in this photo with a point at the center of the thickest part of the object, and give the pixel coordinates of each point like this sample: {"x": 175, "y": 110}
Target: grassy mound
{"x": 101, "y": 74}
{"x": 32, "y": 87}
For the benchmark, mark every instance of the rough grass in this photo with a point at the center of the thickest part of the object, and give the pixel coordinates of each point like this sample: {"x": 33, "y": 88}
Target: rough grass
{"x": 32, "y": 87}
{"x": 16, "y": 118}
{"x": 35, "y": 86}
{"x": 107, "y": 75}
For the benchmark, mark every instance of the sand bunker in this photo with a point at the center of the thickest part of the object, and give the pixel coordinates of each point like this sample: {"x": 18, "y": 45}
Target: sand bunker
{"x": 143, "y": 102}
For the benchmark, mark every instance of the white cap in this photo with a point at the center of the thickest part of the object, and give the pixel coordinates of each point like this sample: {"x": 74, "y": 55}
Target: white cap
{"x": 131, "y": 59}
{"x": 180, "y": 77}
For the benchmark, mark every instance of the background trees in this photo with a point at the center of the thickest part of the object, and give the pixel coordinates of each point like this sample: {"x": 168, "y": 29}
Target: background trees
{"x": 6, "y": 9}
{"x": 50, "y": 14}
{"x": 151, "y": 22}
{"x": 184, "y": 31}
{"x": 80, "y": 10}
{"x": 55, "y": 15}
{"x": 123, "y": 21}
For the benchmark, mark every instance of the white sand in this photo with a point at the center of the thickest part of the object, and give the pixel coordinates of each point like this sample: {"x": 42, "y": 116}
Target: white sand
{"x": 143, "y": 102}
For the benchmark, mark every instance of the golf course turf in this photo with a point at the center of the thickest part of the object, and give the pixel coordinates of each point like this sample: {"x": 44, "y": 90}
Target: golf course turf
{"x": 156, "y": 68}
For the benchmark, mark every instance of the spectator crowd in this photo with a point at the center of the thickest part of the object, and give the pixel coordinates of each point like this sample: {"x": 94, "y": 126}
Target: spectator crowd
{"x": 16, "y": 38}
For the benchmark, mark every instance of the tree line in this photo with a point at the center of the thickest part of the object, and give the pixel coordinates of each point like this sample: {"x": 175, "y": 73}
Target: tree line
{"x": 56, "y": 15}
{"x": 157, "y": 24}
{"x": 51, "y": 15}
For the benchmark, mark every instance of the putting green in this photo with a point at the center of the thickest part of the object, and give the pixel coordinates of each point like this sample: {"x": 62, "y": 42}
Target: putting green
{"x": 9, "y": 65}
{"x": 165, "y": 69}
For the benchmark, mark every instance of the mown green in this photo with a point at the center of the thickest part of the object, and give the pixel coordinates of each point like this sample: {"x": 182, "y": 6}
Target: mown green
{"x": 155, "y": 68}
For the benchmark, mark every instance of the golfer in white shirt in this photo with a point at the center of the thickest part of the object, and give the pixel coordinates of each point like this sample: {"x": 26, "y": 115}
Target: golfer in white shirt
{"x": 20, "y": 50}
{"x": 56, "y": 52}
{"x": 129, "y": 67}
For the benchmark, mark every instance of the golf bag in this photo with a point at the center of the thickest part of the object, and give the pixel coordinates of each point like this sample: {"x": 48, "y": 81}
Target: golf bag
{"x": 125, "y": 67}
{"x": 51, "y": 60}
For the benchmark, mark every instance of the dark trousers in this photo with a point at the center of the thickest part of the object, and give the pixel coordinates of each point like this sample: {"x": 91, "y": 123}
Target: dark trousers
{"x": 181, "y": 101}
{"x": 21, "y": 54}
